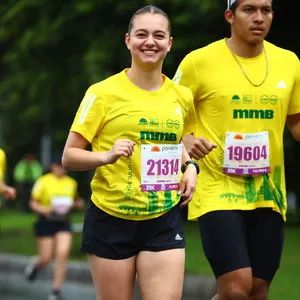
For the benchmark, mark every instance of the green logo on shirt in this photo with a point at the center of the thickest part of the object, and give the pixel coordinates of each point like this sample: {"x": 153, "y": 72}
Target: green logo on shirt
{"x": 235, "y": 99}
{"x": 253, "y": 114}
{"x": 143, "y": 122}
{"x": 158, "y": 136}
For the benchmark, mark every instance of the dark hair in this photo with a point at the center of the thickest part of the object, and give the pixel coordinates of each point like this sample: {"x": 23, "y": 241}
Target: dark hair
{"x": 233, "y": 6}
{"x": 56, "y": 159}
{"x": 148, "y": 9}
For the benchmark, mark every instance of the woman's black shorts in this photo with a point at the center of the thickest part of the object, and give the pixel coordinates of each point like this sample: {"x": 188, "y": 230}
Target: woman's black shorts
{"x": 115, "y": 238}
{"x": 47, "y": 228}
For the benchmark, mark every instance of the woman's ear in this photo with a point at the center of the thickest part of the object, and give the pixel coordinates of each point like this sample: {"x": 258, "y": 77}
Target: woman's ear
{"x": 127, "y": 40}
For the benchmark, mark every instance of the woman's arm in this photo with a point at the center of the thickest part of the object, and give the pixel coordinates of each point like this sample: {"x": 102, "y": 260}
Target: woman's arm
{"x": 75, "y": 157}
{"x": 188, "y": 180}
{"x": 38, "y": 208}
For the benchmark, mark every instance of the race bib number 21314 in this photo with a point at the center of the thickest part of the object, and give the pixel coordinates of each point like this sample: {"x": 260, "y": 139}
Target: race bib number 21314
{"x": 160, "y": 167}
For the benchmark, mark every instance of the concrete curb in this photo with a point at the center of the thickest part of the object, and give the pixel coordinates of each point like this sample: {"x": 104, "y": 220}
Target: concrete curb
{"x": 195, "y": 286}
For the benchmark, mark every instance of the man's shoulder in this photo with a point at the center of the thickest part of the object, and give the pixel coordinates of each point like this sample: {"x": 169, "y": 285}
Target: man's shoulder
{"x": 280, "y": 52}
{"x": 179, "y": 88}
{"x": 211, "y": 49}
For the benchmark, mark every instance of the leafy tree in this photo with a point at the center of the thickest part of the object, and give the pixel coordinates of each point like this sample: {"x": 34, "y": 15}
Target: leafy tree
{"x": 53, "y": 50}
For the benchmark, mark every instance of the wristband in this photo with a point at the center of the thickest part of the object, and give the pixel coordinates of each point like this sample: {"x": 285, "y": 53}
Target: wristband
{"x": 190, "y": 162}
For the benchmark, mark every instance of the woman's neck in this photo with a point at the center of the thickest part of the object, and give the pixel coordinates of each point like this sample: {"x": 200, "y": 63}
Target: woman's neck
{"x": 149, "y": 80}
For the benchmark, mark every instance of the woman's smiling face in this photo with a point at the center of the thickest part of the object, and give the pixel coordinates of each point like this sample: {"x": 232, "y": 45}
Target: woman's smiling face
{"x": 149, "y": 40}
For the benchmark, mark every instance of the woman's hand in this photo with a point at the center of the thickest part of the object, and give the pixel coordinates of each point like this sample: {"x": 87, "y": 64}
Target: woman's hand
{"x": 46, "y": 211}
{"x": 121, "y": 147}
{"x": 188, "y": 184}
{"x": 78, "y": 204}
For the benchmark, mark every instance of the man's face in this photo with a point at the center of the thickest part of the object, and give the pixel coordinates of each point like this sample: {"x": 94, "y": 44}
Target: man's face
{"x": 252, "y": 20}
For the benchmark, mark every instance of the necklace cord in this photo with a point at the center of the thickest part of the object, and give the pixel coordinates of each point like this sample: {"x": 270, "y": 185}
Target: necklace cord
{"x": 244, "y": 72}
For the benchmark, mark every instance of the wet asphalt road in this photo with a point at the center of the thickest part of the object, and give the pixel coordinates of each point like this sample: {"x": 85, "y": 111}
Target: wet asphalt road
{"x": 15, "y": 287}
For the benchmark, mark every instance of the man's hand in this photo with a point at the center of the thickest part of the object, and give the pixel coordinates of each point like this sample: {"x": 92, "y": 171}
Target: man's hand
{"x": 197, "y": 147}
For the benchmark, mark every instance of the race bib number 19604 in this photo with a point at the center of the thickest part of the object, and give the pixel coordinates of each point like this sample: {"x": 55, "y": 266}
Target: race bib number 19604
{"x": 160, "y": 167}
{"x": 246, "y": 153}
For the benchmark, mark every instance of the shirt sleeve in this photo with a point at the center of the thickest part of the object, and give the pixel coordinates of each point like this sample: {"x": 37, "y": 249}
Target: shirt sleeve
{"x": 190, "y": 120}
{"x": 90, "y": 115}
{"x": 186, "y": 75}
{"x": 37, "y": 189}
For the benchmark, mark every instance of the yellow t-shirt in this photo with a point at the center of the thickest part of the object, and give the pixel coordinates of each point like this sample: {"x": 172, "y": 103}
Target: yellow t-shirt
{"x": 2, "y": 164}
{"x": 49, "y": 186}
{"x": 225, "y": 101}
{"x": 115, "y": 108}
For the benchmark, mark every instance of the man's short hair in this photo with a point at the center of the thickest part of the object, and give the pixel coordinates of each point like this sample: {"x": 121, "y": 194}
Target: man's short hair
{"x": 230, "y": 3}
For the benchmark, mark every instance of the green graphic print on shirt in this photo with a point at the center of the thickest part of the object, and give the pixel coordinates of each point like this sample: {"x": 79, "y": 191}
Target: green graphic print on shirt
{"x": 153, "y": 206}
{"x": 269, "y": 190}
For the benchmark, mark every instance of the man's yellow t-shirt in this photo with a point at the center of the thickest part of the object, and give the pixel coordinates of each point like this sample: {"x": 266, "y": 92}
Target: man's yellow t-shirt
{"x": 117, "y": 109}
{"x": 226, "y": 102}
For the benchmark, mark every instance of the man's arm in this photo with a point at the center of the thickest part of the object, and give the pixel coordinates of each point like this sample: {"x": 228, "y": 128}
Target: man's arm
{"x": 293, "y": 123}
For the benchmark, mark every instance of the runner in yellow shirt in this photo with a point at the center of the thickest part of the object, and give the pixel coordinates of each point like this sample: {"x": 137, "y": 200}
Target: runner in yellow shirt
{"x": 53, "y": 196}
{"x": 7, "y": 191}
{"x": 245, "y": 89}
{"x": 135, "y": 121}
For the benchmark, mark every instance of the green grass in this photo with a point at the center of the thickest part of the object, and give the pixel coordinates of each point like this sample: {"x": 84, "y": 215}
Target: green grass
{"x": 17, "y": 237}
{"x": 286, "y": 282}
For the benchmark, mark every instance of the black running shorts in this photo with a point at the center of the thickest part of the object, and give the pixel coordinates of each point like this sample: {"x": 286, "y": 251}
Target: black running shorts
{"x": 115, "y": 238}
{"x": 46, "y": 228}
{"x": 237, "y": 239}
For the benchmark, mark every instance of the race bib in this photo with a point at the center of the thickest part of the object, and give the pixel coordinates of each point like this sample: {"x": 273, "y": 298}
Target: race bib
{"x": 160, "y": 167}
{"x": 246, "y": 153}
{"x": 61, "y": 204}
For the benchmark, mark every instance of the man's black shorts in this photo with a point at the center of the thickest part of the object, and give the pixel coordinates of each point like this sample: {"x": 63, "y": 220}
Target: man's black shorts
{"x": 237, "y": 239}
{"x": 115, "y": 238}
{"x": 45, "y": 228}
